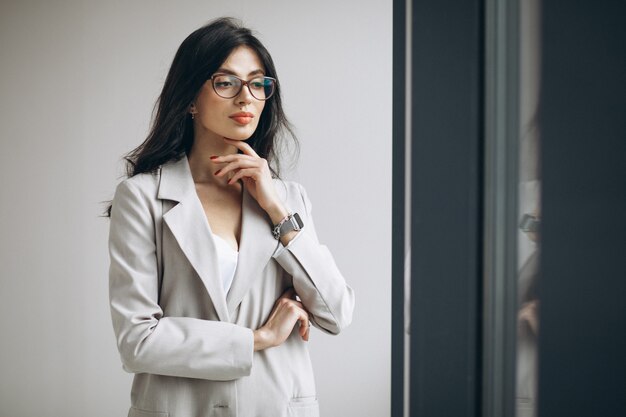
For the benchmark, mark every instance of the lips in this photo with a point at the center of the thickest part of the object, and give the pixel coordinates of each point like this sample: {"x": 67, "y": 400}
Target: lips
{"x": 243, "y": 118}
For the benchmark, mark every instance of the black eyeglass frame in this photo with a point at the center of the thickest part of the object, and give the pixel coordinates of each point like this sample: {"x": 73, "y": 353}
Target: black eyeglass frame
{"x": 243, "y": 83}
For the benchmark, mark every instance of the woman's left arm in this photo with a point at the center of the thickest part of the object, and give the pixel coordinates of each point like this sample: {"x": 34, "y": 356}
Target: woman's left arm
{"x": 316, "y": 277}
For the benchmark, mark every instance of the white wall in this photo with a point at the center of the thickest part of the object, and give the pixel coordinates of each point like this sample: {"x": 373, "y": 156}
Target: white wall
{"x": 78, "y": 80}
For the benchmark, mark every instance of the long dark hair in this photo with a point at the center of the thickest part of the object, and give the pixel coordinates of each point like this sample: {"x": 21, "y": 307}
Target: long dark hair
{"x": 198, "y": 57}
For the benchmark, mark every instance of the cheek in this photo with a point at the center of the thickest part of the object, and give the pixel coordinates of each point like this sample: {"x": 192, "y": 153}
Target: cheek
{"x": 210, "y": 101}
{"x": 213, "y": 110}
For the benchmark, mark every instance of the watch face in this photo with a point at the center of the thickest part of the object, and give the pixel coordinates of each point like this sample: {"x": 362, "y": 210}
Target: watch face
{"x": 293, "y": 223}
{"x": 529, "y": 223}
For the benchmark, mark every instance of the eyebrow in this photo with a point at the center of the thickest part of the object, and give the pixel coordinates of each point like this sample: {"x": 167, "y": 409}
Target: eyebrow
{"x": 227, "y": 71}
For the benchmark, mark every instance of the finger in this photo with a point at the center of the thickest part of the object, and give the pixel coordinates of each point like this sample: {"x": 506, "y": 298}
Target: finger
{"x": 231, "y": 157}
{"x": 246, "y": 149}
{"x": 302, "y": 329}
{"x": 289, "y": 297}
{"x": 304, "y": 326}
{"x": 239, "y": 164}
{"x": 307, "y": 329}
{"x": 247, "y": 172}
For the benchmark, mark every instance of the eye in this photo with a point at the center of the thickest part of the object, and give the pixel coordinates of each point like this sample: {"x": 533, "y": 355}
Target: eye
{"x": 225, "y": 82}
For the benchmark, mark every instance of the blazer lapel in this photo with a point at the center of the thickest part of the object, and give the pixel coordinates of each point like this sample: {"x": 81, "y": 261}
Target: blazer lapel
{"x": 191, "y": 229}
{"x": 256, "y": 247}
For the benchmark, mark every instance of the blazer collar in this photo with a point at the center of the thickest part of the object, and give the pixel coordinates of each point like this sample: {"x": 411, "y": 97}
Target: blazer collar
{"x": 189, "y": 225}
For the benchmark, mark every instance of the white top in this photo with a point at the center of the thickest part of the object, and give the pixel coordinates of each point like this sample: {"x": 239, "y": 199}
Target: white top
{"x": 228, "y": 257}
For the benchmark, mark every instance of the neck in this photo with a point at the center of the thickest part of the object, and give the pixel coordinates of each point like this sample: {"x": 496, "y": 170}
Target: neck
{"x": 202, "y": 168}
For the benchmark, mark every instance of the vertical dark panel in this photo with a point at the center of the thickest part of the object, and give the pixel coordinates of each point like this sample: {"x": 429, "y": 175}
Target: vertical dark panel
{"x": 446, "y": 230}
{"x": 582, "y": 342}
{"x": 398, "y": 211}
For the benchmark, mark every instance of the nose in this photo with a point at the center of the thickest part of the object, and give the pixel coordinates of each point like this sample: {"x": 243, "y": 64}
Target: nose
{"x": 244, "y": 96}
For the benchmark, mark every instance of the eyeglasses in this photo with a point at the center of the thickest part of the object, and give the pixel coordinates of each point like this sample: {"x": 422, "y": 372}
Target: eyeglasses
{"x": 229, "y": 86}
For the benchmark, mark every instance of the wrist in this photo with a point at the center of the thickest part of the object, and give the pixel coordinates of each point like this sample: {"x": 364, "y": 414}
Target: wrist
{"x": 261, "y": 339}
{"x": 277, "y": 213}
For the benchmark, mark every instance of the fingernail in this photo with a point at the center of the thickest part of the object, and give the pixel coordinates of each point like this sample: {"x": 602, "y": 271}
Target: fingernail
{"x": 213, "y": 156}
{"x": 217, "y": 172}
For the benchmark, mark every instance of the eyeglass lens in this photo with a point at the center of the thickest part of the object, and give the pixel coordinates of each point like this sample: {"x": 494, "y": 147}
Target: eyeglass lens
{"x": 229, "y": 86}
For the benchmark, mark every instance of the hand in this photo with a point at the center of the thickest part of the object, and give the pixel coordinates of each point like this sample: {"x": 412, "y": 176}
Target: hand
{"x": 253, "y": 171}
{"x": 528, "y": 314}
{"x": 286, "y": 312}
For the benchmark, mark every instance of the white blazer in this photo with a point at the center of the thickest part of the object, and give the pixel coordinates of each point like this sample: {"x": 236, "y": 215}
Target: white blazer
{"x": 190, "y": 346}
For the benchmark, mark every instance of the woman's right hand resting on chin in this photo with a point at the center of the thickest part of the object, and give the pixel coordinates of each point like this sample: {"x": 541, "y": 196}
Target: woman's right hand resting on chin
{"x": 286, "y": 313}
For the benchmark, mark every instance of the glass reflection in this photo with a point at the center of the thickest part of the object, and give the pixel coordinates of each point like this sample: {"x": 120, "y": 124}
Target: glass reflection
{"x": 529, "y": 210}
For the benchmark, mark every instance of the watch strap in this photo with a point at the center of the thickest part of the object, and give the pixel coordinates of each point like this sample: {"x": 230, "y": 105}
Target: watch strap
{"x": 291, "y": 222}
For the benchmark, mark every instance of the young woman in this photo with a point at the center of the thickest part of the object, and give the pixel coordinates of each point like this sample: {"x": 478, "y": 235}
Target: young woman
{"x": 216, "y": 271}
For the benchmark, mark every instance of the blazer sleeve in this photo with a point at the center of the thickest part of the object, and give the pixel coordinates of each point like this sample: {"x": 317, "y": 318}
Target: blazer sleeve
{"x": 148, "y": 341}
{"x": 316, "y": 278}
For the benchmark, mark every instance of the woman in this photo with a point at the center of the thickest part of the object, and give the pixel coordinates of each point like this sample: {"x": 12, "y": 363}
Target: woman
{"x": 216, "y": 270}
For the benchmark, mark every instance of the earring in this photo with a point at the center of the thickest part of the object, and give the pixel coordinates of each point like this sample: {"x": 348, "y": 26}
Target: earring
{"x": 193, "y": 116}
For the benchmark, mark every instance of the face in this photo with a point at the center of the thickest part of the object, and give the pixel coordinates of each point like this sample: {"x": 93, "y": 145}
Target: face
{"x": 217, "y": 116}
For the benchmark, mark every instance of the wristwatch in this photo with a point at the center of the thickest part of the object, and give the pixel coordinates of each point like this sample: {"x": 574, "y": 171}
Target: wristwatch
{"x": 529, "y": 223}
{"x": 289, "y": 223}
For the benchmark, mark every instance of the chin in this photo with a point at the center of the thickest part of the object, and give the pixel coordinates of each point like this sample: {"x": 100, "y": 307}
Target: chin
{"x": 239, "y": 135}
